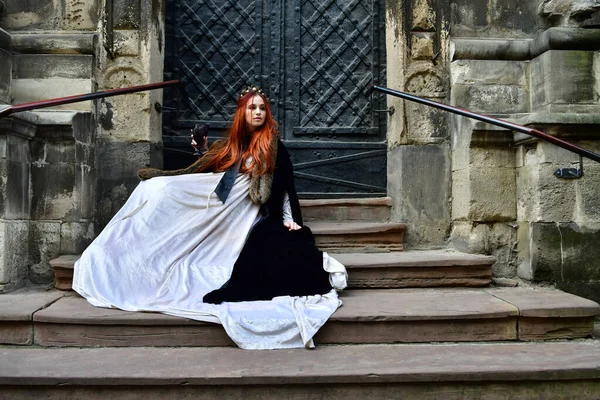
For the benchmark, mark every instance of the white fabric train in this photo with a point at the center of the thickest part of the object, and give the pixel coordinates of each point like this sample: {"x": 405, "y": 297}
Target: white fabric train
{"x": 173, "y": 242}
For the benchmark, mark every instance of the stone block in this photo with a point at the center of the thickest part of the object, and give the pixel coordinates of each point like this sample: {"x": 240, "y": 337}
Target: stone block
{"x": 17, "y": 149}
{"x": 545, "y": 152}
{"x": 75, "y": 237}
{"x": 425, "y": 124}
{"x": 543, "y": 197}
{"x": 477, "y": 157}
{"x": 484, "y": 194}
{"x": 3, "y": 186}
{"x": 42, "y": 66}
{"x": 85, "y": 191}
{"x": 126, "y": 14}
{"x": 13, "y": 254}
{"x": 118, "y": 176}
{"x": 30, "y": 15}
{"x": 425, "y": 82}
{"x": 423, "y": 16}
{"x": 489, "y": 72}
{"x": 493, "y": 99}
{"x": 44, "y": 245}
{"x": 26, "y": 90}
{"x": 422, "y": 45}
{"x": 5, "y": 39}
{"x": 496, "y": 239}
{"x": 127, "y": 42}
{"x": 3, "y": 147}
{"x": 81, "y": 15}
{"x": 502, "y": 18}
{"x": 587, "y": 212}
{"x": 17, "y": 195}
{"x": 53, "y": 192}
{"x": 54, "y": 43}
{"x": 422, "y": 175}
{"x": 84, "y": 129}
{"x": 5, "y": 76}
{"x": 563, "y": 77}
{"x": 56, "y": 152}
{"x": 563, "y": 253}
{"x": 84, "y": 154}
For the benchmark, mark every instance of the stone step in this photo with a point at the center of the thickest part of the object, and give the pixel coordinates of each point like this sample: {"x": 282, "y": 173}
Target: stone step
{"x": 417, "y": 268}
{"x": 405, "y": 269}
{"x": 353, "y": 236}
{"x": 63, "y": 319}
{"x": 562, "y": 370}
{"x": 367, "y": 210}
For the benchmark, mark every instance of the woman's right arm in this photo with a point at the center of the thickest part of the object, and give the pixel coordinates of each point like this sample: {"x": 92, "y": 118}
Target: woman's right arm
{"x": 198, "y": 166}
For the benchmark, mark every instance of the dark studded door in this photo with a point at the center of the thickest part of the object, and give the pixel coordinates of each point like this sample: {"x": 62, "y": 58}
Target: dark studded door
{"x": 315, "y": 59}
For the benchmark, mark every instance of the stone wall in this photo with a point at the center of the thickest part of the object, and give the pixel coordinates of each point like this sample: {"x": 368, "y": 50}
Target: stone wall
{"x": 62, "y": 189}
{"x": 63, "y": 48}
{"x": 506, "y": 200}
{"x": 5, "y": 67}
{"x": 48, "y": 161}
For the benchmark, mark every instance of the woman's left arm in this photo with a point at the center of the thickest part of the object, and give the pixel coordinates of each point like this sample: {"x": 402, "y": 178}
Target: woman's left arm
{"x": 292, "y": 216}
{"x": 288, "y": 219}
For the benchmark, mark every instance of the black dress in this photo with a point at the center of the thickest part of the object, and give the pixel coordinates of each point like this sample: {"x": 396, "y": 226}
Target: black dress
{"x": 275, "y": 261}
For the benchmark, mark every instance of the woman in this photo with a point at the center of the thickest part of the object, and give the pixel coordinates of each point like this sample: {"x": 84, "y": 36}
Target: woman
{"x": 202, "y": 241}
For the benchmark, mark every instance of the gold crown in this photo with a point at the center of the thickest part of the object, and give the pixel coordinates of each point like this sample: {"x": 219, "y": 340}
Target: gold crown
{"x": 251, "y": 89}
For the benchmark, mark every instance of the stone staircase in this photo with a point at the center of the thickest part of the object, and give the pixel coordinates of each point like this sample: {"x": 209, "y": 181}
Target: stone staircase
{"x": 414, "y": 324}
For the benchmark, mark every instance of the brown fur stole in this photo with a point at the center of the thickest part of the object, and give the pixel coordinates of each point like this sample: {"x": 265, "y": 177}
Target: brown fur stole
{"x": 260, "y": 186}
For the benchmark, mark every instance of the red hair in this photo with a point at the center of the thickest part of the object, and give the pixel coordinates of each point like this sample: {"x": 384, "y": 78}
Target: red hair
{"x": 259, "y": 147}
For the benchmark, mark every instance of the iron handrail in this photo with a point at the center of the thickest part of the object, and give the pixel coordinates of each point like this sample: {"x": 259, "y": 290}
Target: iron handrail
{"x": 34, "y": 105}
{"x": 494, "y": 121}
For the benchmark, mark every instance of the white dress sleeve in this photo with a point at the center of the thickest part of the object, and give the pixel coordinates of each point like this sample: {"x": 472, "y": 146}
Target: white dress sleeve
{"x": 287, "y": 208}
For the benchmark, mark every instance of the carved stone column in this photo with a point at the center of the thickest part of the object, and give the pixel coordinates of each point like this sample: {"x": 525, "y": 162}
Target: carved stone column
{"x": 418, "y": 147}
{"x": 130, "y": 52}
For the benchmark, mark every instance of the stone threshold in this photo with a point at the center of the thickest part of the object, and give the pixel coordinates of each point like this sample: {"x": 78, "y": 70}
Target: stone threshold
{"x": 55, "y": 318}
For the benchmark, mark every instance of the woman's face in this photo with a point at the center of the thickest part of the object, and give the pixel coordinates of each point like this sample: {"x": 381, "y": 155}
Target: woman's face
{"x": 256, "y": 112}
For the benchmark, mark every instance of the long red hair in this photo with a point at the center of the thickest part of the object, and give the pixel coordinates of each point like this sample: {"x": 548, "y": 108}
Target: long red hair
{"x": 259, "y": 147}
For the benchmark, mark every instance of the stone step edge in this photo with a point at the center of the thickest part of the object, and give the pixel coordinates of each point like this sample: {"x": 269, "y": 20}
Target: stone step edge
{"x": 364, "y": 364}
{"x": 372, "y": 201}
{"x": 350, "y": 228}
{"x": 403, "y": 259}
{"x": 500, "y": 303}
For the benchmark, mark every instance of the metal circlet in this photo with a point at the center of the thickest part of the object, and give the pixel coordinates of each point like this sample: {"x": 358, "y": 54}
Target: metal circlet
{"x": 251, "y": 89}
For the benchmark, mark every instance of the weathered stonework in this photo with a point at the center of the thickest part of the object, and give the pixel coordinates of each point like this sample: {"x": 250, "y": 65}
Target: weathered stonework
{"x": 547, "y": 80}
{"x": 496, "y": 239}
{"x": 129, "y": 127}
{"x": 495, "y": 19}
{"x": 452, "y": 181}
{"x": 50, "y": 15}
{"x": 553, "y": 95}
{"x": 420, "y": 172}
{"x": 569, "y": 12}
{"x": 418, "y": 135}
{"x": 15, "y": 134}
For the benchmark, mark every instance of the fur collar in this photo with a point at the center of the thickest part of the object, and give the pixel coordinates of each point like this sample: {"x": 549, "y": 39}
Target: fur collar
{"x": 260, "y": 186}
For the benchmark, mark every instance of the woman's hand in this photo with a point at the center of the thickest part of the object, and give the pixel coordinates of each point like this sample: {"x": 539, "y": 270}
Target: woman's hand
{"x": 203, "y": 145}
{"x": 291, "y": 225}
{"x": 200, "y": 148}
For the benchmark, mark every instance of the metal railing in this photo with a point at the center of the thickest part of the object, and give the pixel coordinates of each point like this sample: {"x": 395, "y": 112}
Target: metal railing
{"x": 561, "y": 173}
{"x": 5, "y": 111}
